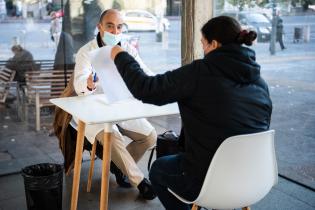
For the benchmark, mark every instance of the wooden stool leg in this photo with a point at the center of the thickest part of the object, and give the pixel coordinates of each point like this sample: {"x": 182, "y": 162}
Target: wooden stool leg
{"x": 37, "y": 110}
{"x": 246, "y": 208}
{"x": 89, "y": 182}
{"x": 195, "y": 207}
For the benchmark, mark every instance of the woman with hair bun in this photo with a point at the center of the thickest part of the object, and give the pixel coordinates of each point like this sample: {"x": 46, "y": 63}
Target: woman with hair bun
{"x": 219, "y": 96}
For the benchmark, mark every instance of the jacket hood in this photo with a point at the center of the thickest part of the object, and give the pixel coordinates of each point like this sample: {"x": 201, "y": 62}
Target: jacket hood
{"x": 236, "y": 62}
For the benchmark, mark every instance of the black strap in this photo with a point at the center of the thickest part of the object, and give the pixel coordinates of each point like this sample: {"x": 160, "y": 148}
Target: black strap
{"x": 150, "y": 158}
{"x": 99, "y": 40}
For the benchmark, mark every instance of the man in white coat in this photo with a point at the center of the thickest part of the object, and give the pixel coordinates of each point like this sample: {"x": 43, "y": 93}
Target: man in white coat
{"x": 140, "y": 131}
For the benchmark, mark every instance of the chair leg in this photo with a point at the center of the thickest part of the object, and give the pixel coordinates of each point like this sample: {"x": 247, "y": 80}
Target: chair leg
{"x": 89, "y": 182}
{"x": 18, "y": 101}
{"x": 246, "y": 208}
{"x": 37, "y": 110}
{"x": 195, "y": 207}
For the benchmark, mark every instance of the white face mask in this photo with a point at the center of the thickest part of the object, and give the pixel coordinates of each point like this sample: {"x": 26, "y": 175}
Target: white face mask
{"x": 111, "y": 39}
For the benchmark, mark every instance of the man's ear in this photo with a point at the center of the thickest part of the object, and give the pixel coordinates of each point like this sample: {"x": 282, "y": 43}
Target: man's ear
{"x": 99, "y": 26}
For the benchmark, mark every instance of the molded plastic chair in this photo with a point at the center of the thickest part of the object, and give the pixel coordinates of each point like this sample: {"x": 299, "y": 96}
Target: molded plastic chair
{"x": 242, "y": 172}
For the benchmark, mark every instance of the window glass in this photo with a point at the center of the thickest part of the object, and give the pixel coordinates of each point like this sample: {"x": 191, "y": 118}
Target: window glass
{"x": 285, "y": 49}
{"x": 51, "y": 32}
{"x": 152, "y": 27}
{"x": 257, "y": 18}
{"x": 132, "y": 14}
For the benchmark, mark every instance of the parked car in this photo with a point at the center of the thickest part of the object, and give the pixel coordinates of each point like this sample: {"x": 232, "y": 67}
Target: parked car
{"x": 141, "y": 20}
{"x": 254, "y": 21}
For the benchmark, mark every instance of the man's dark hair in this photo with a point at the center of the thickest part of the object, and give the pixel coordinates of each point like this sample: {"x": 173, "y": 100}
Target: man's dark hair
{"x": 102, "y": 15}
{"x": 16, "y": 48}
{"x": 227, "y": 30}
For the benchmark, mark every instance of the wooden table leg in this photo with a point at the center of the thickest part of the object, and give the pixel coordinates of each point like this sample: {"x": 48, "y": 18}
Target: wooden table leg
{"x": 77, "y": 165}
{"x": 89, "y": 182}
{"x": 105, "y": 166}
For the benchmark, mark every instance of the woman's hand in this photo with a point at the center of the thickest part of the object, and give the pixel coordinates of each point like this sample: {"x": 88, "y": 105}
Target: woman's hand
{"x": 115, "y": 50}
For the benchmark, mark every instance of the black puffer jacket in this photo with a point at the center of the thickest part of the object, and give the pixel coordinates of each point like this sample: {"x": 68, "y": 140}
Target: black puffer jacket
{"x": 219, "y": 96}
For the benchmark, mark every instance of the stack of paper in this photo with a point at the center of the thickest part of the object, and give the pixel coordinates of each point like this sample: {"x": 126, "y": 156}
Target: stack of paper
{"x": 112, "y": 83}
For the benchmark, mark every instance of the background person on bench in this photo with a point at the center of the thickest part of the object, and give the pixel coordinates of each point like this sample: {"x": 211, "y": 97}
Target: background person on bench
{"x": 21, "y": 62}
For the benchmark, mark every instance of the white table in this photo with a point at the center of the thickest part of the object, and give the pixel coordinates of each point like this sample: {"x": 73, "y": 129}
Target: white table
{"x": 93, "y": 109}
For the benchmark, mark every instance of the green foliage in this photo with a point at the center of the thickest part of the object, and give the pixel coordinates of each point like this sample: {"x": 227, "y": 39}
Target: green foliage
{"x": 240, "y": 3}
{"x": 303, "y": 3}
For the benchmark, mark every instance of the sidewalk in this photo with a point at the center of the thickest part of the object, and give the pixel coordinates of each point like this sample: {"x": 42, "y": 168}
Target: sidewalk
{"x": 21, "y": 146}
{"x": 24, "y": 20}
{"x": 284, "y": 196}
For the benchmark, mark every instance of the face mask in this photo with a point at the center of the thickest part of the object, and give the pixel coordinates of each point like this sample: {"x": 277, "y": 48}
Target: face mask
{"x": 111, "y": 39}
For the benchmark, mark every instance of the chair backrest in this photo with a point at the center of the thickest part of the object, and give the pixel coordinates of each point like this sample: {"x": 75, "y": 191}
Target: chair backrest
{"x": 242, "y": 172}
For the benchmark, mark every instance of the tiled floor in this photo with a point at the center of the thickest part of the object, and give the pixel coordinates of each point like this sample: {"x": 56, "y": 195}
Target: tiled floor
{"x": 284, "y": 196}
{"x": 20, "y": 146}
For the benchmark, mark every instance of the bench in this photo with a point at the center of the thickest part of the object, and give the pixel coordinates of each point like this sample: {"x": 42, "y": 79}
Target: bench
{"x": 42, "y": 86}
{"x": 44, "y": 64}
{"x": 2, "y": 63}
{"x": 6, "y": 78}
{"x": 38, "y": 64}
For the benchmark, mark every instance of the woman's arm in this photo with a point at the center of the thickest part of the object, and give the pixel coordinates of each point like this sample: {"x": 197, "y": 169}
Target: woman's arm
{"x": 161, "y": 89}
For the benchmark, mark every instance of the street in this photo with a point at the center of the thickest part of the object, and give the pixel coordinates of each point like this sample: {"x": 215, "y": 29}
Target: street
{"x": 290, "y": 74}
{"x": 36, "y": 38}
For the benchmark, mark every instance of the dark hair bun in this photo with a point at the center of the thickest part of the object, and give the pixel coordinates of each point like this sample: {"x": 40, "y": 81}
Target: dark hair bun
{"x": 245, "y": 37}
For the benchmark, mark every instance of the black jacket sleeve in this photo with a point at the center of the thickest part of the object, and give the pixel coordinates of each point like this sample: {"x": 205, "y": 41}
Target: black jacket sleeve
{"x": 160, "y": 89}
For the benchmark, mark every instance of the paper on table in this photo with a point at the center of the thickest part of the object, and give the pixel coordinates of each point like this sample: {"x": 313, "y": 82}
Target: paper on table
{"x": 112, "y": 83}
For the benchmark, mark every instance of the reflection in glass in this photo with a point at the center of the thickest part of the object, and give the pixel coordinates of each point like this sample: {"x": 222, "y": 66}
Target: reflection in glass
{"x": 287, "y": 63}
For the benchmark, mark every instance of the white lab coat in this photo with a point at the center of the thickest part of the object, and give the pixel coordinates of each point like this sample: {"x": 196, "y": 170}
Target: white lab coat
{"x": 82, "y": 70}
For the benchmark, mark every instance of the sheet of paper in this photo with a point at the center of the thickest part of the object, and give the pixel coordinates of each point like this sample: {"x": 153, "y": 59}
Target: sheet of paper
{"x": 112, "y": 83}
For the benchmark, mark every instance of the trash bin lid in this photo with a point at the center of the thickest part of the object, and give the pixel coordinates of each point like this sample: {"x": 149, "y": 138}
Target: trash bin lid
{"x": 43, "y": 176}
{"x": 42, "y": 170}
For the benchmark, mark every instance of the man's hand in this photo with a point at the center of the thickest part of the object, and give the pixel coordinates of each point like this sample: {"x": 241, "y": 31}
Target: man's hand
{"x": 90, "y": 83}
{"x": 115, "y": 50}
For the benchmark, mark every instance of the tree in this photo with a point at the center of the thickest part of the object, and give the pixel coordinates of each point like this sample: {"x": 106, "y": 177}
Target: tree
{"x": 305, "y": 3}
{"x": 240, "y": 3}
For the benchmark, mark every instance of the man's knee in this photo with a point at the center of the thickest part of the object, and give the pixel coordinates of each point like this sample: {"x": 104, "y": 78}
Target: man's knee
{"x": 150, "y": 140}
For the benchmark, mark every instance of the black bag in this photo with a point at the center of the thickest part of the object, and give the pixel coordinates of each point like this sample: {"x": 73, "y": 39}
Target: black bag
{"x": 166, "y": 144}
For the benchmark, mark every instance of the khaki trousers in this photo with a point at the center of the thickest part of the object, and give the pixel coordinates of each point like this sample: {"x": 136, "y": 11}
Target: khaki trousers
{"x": 126, "y": 158}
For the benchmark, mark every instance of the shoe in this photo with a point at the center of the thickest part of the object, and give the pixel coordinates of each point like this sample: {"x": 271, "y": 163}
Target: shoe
{"x": 121, "y": 179}
{"x": 146, "y": 190}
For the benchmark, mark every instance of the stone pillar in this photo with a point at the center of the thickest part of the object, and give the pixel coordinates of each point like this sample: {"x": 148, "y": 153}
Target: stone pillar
{"x": 195, "y": 13}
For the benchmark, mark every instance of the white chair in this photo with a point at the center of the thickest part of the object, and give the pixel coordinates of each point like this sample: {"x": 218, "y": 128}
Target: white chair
{"x": 242, "y": 172}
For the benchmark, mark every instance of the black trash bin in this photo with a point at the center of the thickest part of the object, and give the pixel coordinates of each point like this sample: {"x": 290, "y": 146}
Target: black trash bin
{"x": 298, "y": 33}
{"x": 43, "y": 186}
